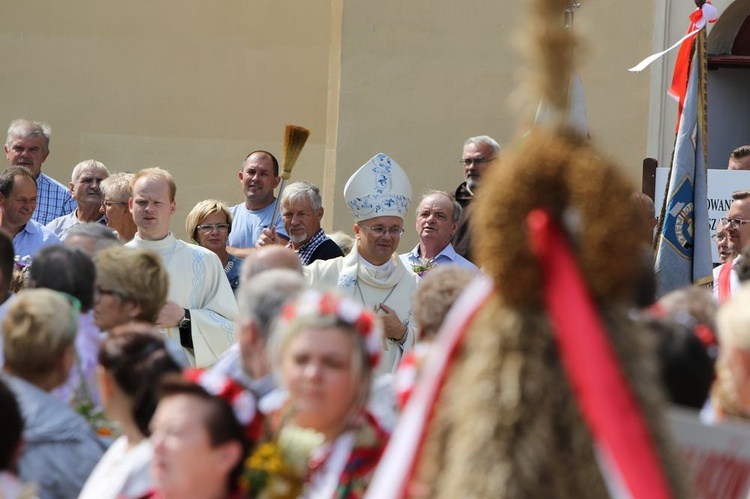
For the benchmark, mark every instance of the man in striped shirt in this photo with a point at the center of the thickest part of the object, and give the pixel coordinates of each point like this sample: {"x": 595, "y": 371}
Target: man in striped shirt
{"x": 27, "y": 144}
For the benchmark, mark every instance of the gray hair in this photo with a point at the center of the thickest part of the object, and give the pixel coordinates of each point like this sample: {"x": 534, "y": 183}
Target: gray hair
{"x": 117, "y": 186}
{"x": 103, "y": 235}
{"x": 456, "y": 207}
{"x": 261, "y": 298}
{"x": 303, "y": 191}
{"x": 97, "y": 165}
{"x": 484, "y": 139}
{"x": 25, "y": 128}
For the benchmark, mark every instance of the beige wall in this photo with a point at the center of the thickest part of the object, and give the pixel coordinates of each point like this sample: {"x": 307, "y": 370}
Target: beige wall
{"x": 189, "y": 86}
{"x": 419, "y": 77}
{"x": 194, "y": 86}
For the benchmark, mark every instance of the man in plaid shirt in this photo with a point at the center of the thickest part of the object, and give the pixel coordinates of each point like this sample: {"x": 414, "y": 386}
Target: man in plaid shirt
{"x": 27, "y": 144}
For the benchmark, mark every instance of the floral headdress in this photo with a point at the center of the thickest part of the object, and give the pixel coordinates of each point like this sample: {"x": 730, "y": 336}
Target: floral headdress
{"x": 314, "y": 303}
{"x": 241, "y": 401}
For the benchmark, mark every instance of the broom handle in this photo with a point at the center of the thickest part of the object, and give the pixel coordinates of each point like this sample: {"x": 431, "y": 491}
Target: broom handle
{"x": 278, "y": 200}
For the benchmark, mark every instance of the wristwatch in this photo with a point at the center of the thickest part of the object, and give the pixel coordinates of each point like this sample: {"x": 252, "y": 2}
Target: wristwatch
{"x": 186, "y": 336}
{"x": 185, "y": 321}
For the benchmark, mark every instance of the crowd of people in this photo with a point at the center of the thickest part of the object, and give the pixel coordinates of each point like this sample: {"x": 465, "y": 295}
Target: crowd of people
{"x": 259, "y": 357}
{"x": 263, "y": 358}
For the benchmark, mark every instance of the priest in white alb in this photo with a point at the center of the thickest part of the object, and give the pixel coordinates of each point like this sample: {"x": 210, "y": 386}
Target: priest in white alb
{"x": 200, "y": 310}
{"x": 378, "y": 195}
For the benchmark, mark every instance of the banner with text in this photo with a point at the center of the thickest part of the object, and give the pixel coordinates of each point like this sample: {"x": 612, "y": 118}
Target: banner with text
{"x": 721, "y": 185}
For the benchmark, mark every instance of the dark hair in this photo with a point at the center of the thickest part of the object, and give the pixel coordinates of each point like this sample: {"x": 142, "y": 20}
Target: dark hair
{"x": 740, "y": 152}
{"x": 7, "y": 258}
{"x": 273, "y": 160}
{"x": 686, "y": 368}
{"x": 9, "y": 175}
{"x": 221, "y": 423}
{"x": 11, "y": 423}
{"x": 67, "y": 269}
{"x": 136, "y": 358}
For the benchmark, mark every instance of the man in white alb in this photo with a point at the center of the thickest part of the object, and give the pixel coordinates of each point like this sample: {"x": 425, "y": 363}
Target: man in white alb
{"x": 378, "y": 195}
{"x": 200, "y": 310}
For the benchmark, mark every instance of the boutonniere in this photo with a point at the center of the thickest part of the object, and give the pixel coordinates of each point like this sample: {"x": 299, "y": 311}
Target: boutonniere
{"x": 421, "y": 268}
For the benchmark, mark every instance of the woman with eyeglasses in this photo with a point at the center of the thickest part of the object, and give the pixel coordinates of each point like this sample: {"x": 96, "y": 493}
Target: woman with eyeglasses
{"x": 209, "y": 224}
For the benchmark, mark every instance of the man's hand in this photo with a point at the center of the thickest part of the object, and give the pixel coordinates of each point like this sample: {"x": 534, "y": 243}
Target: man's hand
{"x": 269, "y": 236}
{"x": 394, "y": 328}
{"x": 170, "y": 315}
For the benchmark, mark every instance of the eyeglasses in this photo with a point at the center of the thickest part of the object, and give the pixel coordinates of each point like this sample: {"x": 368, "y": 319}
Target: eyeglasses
{"x": 113, "y": 203}
{"x": 100, "y": 291}
{"x": 475, "y": 161}
{"x": 719, "y": 237}
{"x": 734, "y": 223}
{"x": 380, "y": 231}
{"x": 207, "y": 229}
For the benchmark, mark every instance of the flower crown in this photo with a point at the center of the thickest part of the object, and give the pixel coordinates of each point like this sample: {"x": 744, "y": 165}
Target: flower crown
{"x": 241, "y": 401}
{"x": 313, "y": 303}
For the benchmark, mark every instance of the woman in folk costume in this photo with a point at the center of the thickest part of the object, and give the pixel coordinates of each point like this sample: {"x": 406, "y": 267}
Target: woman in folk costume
{"x": 325, "y": 444}
{"x": 378, "y": 195}
{"x": 539, "y": 384}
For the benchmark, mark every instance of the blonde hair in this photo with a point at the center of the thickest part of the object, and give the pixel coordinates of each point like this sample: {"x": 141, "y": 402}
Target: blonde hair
{"x": 156, "y": 174}
{"x": 282, "y": 337}
{"x": 37, "y": 330}
{"x": 733, "y": 321}
{"x": 435, "y": 296}
{"x": 201, "y": 211}
{"x": 117, "y": 187}
{"x": 134, "y": 274}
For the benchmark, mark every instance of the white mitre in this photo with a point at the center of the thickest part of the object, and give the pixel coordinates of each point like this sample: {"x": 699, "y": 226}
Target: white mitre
{"x": 379, "y": 188}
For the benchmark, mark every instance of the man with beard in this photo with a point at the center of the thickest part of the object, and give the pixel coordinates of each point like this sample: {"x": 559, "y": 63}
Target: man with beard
{"x": 302, "y": 210}
{"x": 27, "y": 144}
{"x": 85, "y": 189}
{"x": 18, "y": 197}
{"x": 479, "y": 154}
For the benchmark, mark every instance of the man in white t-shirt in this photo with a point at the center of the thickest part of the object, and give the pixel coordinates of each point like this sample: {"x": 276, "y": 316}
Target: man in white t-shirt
{"x": 259, "y": 176}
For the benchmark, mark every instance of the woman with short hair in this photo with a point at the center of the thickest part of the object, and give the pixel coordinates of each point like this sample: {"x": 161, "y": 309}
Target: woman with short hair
{"x": 199, "y": 443}
{"x": 60, "y": 449}
{"x": 209, "y": 224}
{"x": 131, "y": 286}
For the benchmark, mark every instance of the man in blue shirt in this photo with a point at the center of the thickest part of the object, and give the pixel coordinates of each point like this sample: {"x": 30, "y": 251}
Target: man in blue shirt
{"x": 259, "y": 177}
{"x": 27, "y": 144}
{"x": 18, "y": 196}
{"x": 437, "y": 221}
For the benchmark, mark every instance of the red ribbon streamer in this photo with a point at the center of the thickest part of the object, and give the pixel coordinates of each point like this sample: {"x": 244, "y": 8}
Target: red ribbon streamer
{"x": 603, "y": 394}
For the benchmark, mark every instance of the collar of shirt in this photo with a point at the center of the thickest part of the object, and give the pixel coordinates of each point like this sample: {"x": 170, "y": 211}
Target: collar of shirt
{"x": 306, "y": 250}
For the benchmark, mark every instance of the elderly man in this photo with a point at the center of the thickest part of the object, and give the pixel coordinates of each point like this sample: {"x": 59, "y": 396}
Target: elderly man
{"x": 378, "y": 195}
{"x": 18, "y": 195}
{"x": 91, "y": 238}
{"x": 27, "y": 144}
{"x": 437, "y": 221}
{"x": 260, "y": 299}
{"x": 302, "y": 210}
{"x": 201, "y": 307}
{"x": 115, "y": 196}
{"x": 737, "y": 226}
{"x": 739, "y": 159}
{"x": 479, "y": 154}
{"x": 85, "y": 188}
{"x": 259, "y": 176}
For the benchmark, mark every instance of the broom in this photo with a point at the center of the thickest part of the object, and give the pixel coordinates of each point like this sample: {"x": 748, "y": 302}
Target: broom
{"x": 294, "y": 140}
